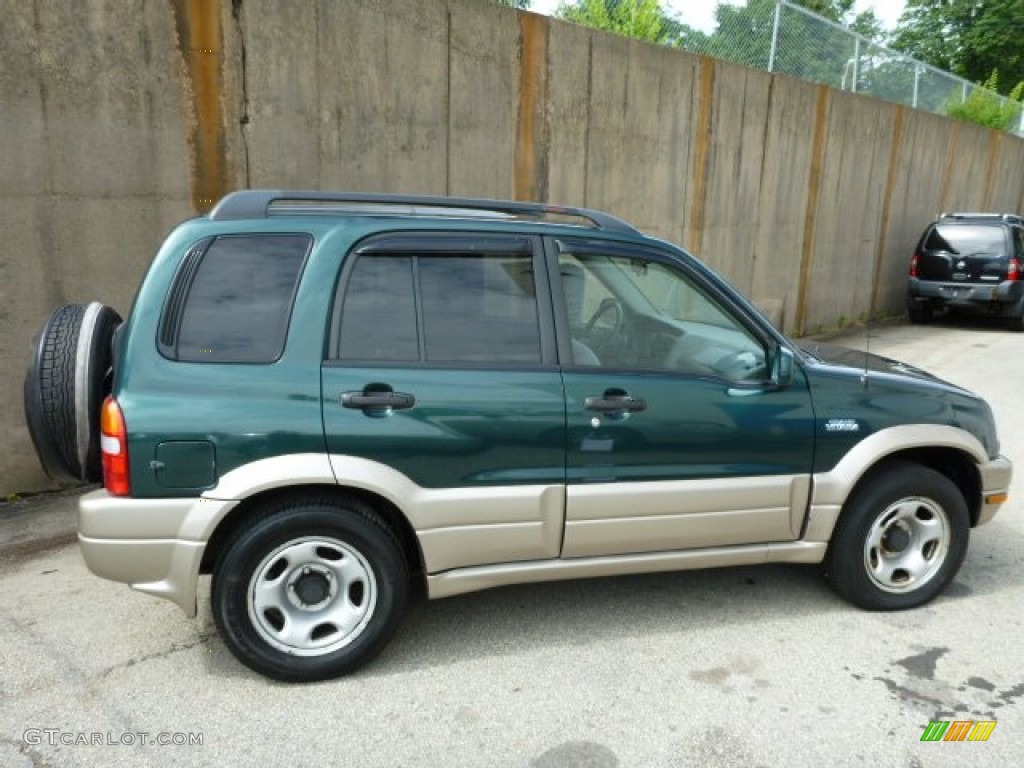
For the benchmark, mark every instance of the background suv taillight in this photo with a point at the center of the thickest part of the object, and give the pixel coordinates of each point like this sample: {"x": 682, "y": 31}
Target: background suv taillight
{"x": 1013, "y": 270}
{"x": 913, "y": 264}
{"x": 114, "y": 449}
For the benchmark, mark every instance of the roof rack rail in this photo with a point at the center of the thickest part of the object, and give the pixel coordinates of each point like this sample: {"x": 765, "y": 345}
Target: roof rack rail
{"x": 1013, "y": 218}
{"x": 257, "y": 204}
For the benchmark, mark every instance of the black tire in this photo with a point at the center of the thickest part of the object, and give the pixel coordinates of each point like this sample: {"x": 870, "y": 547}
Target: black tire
{"x": 920, "y": 314}
{"x": 904, "y": 504}
{"x": 296, "y": 551}
{"x": 67, "y": 379}
{"x": 1015, "y": 323}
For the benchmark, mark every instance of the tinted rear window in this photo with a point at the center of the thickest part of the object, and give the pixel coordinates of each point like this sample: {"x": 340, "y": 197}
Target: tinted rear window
{"x": 240, "y": 299}
{"x": 965, "y": 240}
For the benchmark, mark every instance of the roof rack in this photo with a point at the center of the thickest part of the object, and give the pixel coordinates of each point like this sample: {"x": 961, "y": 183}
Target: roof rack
{"x": 1012, "y": 218}
{"x": 262, "y": 203}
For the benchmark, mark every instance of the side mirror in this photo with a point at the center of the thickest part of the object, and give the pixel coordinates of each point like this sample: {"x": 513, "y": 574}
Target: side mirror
{"x": 782, "y": 366}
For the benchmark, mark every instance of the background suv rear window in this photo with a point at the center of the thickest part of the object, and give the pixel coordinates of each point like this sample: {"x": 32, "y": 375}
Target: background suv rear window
{"x": 240, "y": 299}
{"x": 441, "y": 308}
{"x": 966, "y": 240}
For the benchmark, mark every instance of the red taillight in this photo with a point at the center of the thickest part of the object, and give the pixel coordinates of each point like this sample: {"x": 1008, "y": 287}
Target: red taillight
{"x": 913, "y": 265}
{"x": 1013, "y": 270}
{"x": 114, "y": 449}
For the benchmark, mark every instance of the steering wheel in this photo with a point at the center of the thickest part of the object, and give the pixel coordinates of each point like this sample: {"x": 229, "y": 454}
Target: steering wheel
{"x": 740, "y": 366}
{"x": 607, "y": 306}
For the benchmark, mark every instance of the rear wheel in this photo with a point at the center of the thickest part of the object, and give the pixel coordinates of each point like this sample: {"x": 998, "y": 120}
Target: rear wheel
{"x": 70, "y": 374}
{"x": 900, "y": 540}
{"x": 313, "y": 590}
{"x": 1015, "y": 323}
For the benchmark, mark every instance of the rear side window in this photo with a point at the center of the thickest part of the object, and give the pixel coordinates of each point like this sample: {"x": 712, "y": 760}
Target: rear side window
{"x": 966, "y": 240}
{"x": 232, "y": 301}
{"x": 441, "y": 308}
{"x": 379, "y": 314}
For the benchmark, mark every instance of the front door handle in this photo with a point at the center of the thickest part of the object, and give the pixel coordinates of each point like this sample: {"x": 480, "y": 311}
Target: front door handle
{"x": 377, "y": 399}
{"x": 611, "y": 402}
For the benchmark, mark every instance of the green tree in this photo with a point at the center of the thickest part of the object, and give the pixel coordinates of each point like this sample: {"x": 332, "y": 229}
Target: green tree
{"x": 643, "y": 19}
{"x": 867, "y": 25}
{"x": 970, "y": 38}
{"x": 743, "y": 33}
{"x": 521, "y": 4}
{"x": 843, "y": 12}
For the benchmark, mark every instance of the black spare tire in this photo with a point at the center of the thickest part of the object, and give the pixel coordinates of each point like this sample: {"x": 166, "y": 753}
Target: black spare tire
{"x": 67, "y": 379}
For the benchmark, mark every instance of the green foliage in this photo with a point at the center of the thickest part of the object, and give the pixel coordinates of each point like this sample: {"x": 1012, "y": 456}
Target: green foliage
{"x": 642, "y": 19}
{"x": 521, "y": 4}
{"x": 966, "y": 37}
{"x": 840, "y": 11}
{"x": 984, "y": 107}
{"x": 866, "y": 24}
{"x": 743, "y": 33}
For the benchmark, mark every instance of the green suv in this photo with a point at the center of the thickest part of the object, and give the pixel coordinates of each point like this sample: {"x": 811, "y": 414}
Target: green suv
{"x": 318, "y": 397}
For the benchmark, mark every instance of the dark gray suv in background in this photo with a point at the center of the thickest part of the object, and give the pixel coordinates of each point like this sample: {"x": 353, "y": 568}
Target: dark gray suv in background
{"x": 969, "y": 261}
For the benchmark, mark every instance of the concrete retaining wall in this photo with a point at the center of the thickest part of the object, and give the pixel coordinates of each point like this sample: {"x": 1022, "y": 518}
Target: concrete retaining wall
{"x": 120, "y": 117}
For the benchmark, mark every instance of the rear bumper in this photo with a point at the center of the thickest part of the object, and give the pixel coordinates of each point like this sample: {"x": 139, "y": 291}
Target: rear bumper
{"x": 154, "y": 545}
{"x": 995, "y": 484}
{"x": 965, "y": 294}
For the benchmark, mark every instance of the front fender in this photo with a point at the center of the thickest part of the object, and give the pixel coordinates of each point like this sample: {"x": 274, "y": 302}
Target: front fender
{"x": 832, "y": 488}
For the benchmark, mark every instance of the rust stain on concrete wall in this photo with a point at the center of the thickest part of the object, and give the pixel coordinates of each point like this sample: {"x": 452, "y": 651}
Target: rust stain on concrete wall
{"x": 201, "y": 45}
{"x": 532, "y": 139}
{"x": 952, "y": 154}
{"x": 701, "y": 156}
{"x": 995, "y": 141}
{"x": 890, "y": 184}
{"x": 811, "y": 212}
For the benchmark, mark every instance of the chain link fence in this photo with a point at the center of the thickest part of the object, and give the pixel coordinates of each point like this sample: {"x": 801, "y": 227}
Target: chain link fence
{"x": 778, "y": 36}
{"x": 781, "y": 37}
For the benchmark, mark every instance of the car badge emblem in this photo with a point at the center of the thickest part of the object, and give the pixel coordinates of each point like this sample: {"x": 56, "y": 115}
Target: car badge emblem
{"x": 961, "y": 264}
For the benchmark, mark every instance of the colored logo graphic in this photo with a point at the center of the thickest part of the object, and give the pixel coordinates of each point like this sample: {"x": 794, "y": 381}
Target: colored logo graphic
{"x": 958, "y": 730}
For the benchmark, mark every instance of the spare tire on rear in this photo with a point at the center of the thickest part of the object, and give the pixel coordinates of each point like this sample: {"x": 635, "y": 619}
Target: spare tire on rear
{"x": 70, "y": 374}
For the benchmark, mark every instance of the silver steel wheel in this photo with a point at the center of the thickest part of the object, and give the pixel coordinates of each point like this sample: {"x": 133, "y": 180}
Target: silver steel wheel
{"x": 312, "y": 596}
{"x": 907, "y": 544}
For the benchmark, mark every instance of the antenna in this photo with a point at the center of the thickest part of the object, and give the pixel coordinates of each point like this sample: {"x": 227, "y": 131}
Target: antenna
{"x": 867, "y": 342}
{"x": 867, "y": 327}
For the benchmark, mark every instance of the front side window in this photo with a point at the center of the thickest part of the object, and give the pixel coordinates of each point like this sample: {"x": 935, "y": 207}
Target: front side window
{"x": 237, "y": 300}
{"x": 636, "y": 313}
{"x": 441, "y": 308}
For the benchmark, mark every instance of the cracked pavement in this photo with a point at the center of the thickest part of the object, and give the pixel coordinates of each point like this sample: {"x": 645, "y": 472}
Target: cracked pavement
{"x": 754, "y": 666}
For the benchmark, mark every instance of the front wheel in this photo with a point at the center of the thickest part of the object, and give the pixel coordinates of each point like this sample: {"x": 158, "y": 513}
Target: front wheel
{"x": 900, "y": 540}
{"x": 311, "y": 591}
